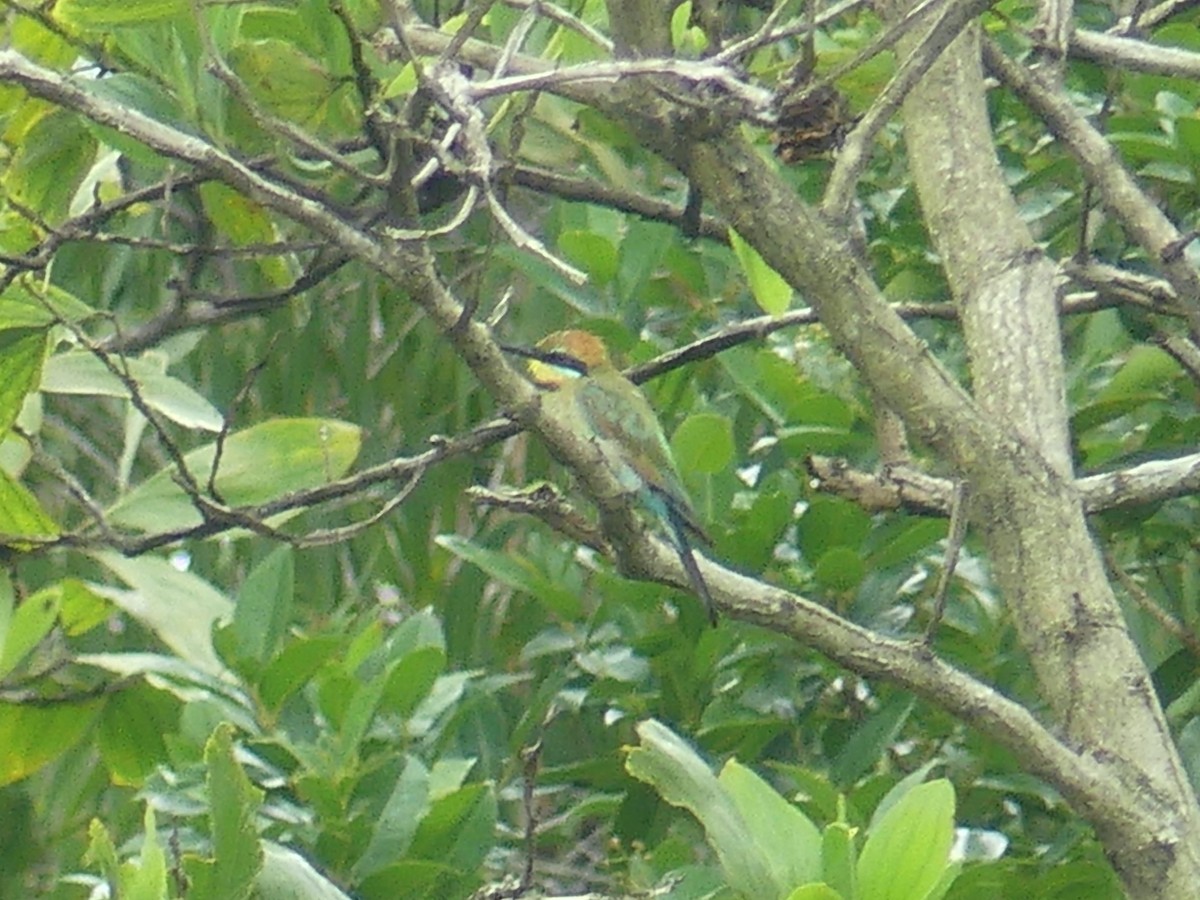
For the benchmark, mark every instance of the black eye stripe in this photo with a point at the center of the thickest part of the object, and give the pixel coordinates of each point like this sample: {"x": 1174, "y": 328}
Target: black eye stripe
{"x": 550, "y": 357}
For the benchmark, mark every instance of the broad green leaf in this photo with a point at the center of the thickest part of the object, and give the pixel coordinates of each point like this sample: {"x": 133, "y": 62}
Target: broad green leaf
{"x": 789, "y": 841}
{"x": 27, "y": 303}
{"x": 900, "y": 790}
{"x": 288, "y": 81}
{"x": 871, "y": 739}
{"x": 236, "y": 216}
{"x": 264, "y": 605}
{"x": 903, "y": 538}
{"x": 286, "y": 875}
{"x": 101, "y": 15}
{"x": 840, "y": 569}
{"x": 446, "y": 693}
{"x": 293, "y": 667}
{"x": 448, "y": 775}
{"x": 412, "y": 678}
{"x": 683, "y": 779}
{"x": 688, "y": 39}
{"x": 146, "y": 878}
{"x": 703, "y": 443}
{"x": 831, "y": 522}
{"x": 839, "y": 862}
{"x": 138, "y": 92}
{"x": 30, "y": 623}
{"x": 518, "y": 572}
{"x": 642, "y": 250}
{"x": 102, "y": 852}
{"x": 179, "y": 607}
{"x": 7, "y": 605}
{"x": 404, "y": 83}
{"x": 262, "y": 463}
{"x": 418, "y": 631}
{"x": 82, "y": 373}
{"x": 415, "y": 878}
{"x": 82, "y": 608}
{"x": 393, "y": 832}
{"x": 21, "y": 353}
{"x": 49, "y": 163}
{"x": 180, "y": 679}
{"x": 1145, "y": 368}
{"x": 459, "y": 829}
{"x": 617, "y": 661}
{"x": 243, "y": 222}
{"x": 907, "y": 852}
{"x": 233, "y": 804}
{"x": 593, "y": 253}
{"x": 772, "y": 293}
{"x": 31, "y": 736}
{"x": 23, "y": 522}
{"x": 815, "y": 892}
{"x": 40, "y": 44}
{"x": 131, "y": 737}
{"x": 358, "y": 714}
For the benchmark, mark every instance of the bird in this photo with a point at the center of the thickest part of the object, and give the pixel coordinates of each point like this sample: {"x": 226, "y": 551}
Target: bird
{"x": 577, "y": 377}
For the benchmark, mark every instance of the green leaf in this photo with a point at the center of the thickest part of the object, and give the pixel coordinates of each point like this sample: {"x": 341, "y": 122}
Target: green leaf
{"x": 412, "y": 678}
{"x": 293, "y": 667}
{"x": 687, "y": 39}
{"x": 262, "y": 463}
{"x": 831, "y": 522}
{"x": 871, "y": 739}
{"x": 683, "y": 779}
{"x": 903, "y": 538}
{"x": 179, "y": 607}
{"x": 23, "y": 523}
{"x": 102, "y": 852}
{"x": 703, "y": 443}
{"x": 264, "y": 605}
{"x": 82, "y": 608}
{"x": 815, "y": 892}
{"x": 839, "y": 862}
{"x": 22, "y": 351}
{"x": 286, "y": 875}
{"x": 771, "y": 291}
{"x": 82, "y": 373}
{"x": 147, "y": 878}
{"x": 233, "y": 806}
{"x": 132, "y": 733}
{"x": 243, "y": 222}
{"x": 407, "y": 805}
{"x": 459, "y": 829}
{"x": 788, "y": 839}
{"x": 7, "y": 604}
{"x": 907, "y": 852}
{"x": 28, "y": 626}
{"x": 27, "y": 303}
{"x": 840, "y": 569}
{"x": 31, "y": 736}
{"x": 518, "y": 572}
{"x": 49, "y": 163}
{"x": 593, "y": 253}
{"x": 1145, "y": 368}
{"x": 101, "y": 15}
{"x": 288, "y": 81}
{"x": 181, "y": 679}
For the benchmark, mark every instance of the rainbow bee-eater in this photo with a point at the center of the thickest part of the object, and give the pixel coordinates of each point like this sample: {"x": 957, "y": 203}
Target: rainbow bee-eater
{"x": 580, "y": 382}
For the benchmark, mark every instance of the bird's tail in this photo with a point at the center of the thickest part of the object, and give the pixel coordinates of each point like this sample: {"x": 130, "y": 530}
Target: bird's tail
{"x": 679, "y": 530}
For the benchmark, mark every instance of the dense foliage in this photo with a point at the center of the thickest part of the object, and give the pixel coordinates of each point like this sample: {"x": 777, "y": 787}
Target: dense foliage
{"x": 273, "y": 621}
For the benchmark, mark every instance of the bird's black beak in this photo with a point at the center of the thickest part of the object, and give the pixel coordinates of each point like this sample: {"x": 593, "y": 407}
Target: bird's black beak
{"x": 555, "y": 358}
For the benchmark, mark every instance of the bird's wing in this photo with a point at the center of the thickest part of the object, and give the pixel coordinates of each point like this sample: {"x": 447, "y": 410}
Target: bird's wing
{"x": 627, "y": 420}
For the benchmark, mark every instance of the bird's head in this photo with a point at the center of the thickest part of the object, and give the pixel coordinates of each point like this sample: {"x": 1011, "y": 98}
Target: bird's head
{"x": 563, "y": 356}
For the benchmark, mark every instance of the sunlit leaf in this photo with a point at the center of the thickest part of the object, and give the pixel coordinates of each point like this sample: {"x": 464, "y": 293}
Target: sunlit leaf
{"x": 262, "y": 463}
